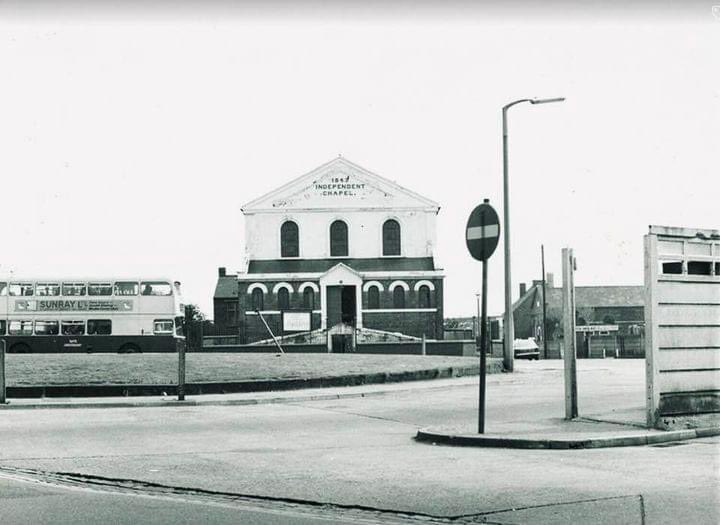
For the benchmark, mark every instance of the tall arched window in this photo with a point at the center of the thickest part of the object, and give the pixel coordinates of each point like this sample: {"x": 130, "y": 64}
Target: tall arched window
{"x": 309, "y": 298}
{"x": 283, "y": 299}
{"x": 289, "y": 240}
{"x": 424, "y": 296}
{"x": 338, "y": 239}
{"x": 373, "y": 297}
{"x": 258, "y": 302}
{"x": 391, "y": 237}
{"x": 399, "y": 297}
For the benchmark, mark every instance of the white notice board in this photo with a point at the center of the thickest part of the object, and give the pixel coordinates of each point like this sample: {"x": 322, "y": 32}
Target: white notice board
{"x": 296, "y": 321}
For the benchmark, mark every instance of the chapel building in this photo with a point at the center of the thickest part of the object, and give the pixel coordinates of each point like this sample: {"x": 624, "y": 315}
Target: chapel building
{"x": 337, "y": 251}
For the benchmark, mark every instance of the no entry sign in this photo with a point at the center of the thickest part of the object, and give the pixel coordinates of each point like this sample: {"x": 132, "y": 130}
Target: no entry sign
{"x": 482, "y": 232}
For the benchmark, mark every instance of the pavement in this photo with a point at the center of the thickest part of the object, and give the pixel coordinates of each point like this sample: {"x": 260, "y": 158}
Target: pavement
{"x": 617, "y": 426}
{"x": 350, "y": 456}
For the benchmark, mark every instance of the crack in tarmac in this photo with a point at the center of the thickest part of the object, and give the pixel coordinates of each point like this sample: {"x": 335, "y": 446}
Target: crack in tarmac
{"x": 346, "y": 513}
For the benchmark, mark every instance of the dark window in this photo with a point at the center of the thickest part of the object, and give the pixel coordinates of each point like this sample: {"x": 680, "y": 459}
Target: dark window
{"x": 163, "y": 326}
{"x": 699, "y": 268}
{"x": 73, "y": 289}
{"x": 283, "y": 299}
{"x": 608, "y": 320}
{"x": 309, "y": 298}
{"x": 2, "y": 326}
{"x": 99, "y": 327}
{"x": 46, "y": 289}
{"x": 338, "y": 239}
{"x": 672, "y": 267}
{"x": 399, "y": 297}
{"x": 126, "y": 288}
{"x": 424, "y": 296}
{"x": 373, "y": 297}
{"x": 289, "y": 240}
{"x": 156, "y": 288}
{"x": 73, "y": 327}
{"x": 3, "y": 288}
{"x": 391, "y": 237}
{"x": 20, "y": 328}
{"x": 99, "y": 289}
{"x": 258, "y": 302}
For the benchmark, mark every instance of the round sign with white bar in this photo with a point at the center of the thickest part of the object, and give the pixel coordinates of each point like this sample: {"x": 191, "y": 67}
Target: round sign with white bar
{"x": 483, "y": 232}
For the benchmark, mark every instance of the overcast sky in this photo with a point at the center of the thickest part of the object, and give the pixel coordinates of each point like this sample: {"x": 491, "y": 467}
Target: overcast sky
{"x": 130, "y": 136}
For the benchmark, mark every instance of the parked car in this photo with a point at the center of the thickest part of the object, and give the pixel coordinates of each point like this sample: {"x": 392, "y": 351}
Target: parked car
{"x": 526, "y": 349}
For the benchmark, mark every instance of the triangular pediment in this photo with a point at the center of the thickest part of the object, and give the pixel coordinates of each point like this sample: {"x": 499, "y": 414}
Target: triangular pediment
{"x": 340, "y": 184}
{"x": 341, "y": 273}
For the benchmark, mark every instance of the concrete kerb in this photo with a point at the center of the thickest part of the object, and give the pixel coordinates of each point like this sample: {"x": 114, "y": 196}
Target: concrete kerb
{"x": 263, "y": 387}
{"x": 484, "y": 440}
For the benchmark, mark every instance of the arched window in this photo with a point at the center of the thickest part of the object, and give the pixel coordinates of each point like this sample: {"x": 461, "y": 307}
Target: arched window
{"x": 399, "y": 297}
{"x": 309, "y": 298}
{"x": 283, "y": 299}
{"x": 373, "y": 297}
{"x": 338, "y": 239}
{"x": 391, "y": 237}
{"x": 258, "y": 302}
{"x": 424, "y": 296}
{"x": 289, "y": 240}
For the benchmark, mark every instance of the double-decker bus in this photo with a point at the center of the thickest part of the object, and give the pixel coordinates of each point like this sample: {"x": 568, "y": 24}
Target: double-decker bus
{"x": 90, "y": 315}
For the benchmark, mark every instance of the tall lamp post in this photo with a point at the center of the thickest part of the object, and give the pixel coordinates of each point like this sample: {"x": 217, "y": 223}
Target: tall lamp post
{"x": 509, "y": 331}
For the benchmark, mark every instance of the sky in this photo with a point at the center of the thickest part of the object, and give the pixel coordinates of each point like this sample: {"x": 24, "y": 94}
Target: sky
{"x": 130, "y": 135}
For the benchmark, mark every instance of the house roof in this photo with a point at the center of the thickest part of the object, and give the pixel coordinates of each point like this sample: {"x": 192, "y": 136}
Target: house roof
{"x": 359, "y": 265}
{"x": 226, "y": 287}
{"x": 602, "y": 296}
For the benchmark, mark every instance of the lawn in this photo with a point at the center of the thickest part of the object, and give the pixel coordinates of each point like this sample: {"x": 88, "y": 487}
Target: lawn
{"x": 103, "y": 369}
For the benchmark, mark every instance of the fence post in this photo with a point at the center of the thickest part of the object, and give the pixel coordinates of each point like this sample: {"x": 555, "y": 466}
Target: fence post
{"x": 424, "y": 349}
{"x": 3, "y": 399}
{"x": 181, "y": 355}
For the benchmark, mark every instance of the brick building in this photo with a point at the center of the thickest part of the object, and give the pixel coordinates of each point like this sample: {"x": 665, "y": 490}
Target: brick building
{"x": 338, "y": 250}
{"x": 610, "y": 319}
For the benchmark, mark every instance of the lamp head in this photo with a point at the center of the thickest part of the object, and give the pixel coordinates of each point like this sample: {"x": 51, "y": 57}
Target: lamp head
{"x": 546, "y": 100}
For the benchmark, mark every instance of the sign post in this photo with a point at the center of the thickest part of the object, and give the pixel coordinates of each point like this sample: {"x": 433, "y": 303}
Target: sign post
{"x": 481, "y": 237}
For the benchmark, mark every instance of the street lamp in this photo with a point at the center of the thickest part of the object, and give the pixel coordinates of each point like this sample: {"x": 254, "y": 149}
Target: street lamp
{"x": 509, "y": 331}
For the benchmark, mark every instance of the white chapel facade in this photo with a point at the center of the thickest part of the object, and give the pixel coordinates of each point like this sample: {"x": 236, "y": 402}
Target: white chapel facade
{"x": 339, "y": 248}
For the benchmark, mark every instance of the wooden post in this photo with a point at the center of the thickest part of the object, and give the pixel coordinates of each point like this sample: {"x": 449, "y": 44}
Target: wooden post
{"x": 570, "y": 359}
{"x": 3, "y": 399}
{"x": 181, "y": 355}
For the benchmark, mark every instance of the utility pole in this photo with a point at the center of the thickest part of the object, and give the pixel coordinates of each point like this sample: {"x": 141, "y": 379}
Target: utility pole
{"x": 544, "y": 305}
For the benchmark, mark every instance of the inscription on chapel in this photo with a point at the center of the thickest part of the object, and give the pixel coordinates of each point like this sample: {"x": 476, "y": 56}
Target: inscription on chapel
{"x": 338, "y": 186}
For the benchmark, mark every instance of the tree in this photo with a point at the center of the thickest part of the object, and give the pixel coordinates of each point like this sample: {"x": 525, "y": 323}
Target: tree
{"x": 197, "y": 315}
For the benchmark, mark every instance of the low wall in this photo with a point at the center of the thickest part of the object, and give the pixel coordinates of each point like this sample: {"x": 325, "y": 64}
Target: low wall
{"x": 449, "y": 348}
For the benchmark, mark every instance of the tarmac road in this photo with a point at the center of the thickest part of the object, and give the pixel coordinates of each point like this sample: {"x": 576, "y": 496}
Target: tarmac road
{"x": 360, "y": 452}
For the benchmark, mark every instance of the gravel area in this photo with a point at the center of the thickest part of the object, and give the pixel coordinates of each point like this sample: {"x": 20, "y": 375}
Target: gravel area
{"x": 99, "y": 369}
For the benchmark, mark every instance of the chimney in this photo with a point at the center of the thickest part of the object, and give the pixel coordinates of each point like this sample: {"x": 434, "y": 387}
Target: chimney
{"x": 550, "y": 280}
{"x": 221, "y": 271}
{"x": 523, "y": 289}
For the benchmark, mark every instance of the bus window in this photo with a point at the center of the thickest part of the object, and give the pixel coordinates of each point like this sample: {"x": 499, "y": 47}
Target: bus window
{"x": 2, "y": 326}
{"x": 99, "y": 289}
{"x": 3, "y": 289}
{"x": 21, "y": 289}
{"x": 163, "y": 326}
{"x": 99, "y": 327}
{"x": 73, "y": 327}
{"x": 179, "y": 324}
{"x": 20, "y": 328}
{"x": 156, "y": 288}
{"x": 46, "y": 328}
{"x": 126, "y": 288}
{"x": 47, "y": 289}
{"x": 73, "y": 288}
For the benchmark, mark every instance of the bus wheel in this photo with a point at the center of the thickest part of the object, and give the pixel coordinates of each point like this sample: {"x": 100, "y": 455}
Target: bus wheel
{"x": 129, "y": 348}
{"x": 20, "y": 348}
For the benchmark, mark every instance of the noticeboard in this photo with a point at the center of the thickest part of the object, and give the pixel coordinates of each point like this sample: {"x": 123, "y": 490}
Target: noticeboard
{"x": 296, "y": 321}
